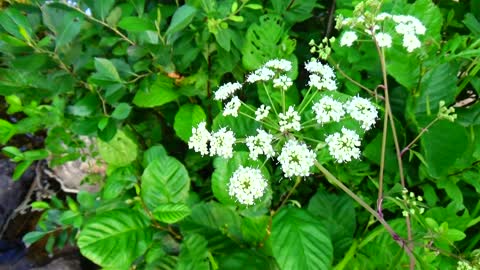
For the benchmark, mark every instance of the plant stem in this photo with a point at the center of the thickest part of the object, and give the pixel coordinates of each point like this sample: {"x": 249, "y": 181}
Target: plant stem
{"x": 332, "y": 179}
{"x": 297, "y": 182}
{"x": 389, "y": 115}
{"x": 425, "y": 129}
{"x": 270, "y": 99}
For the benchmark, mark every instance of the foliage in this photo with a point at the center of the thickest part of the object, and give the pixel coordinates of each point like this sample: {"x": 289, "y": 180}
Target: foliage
{"x": 136, "y": 76}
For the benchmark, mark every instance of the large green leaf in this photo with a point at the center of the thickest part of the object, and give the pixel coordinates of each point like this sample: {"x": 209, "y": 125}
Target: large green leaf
{"x": 119, "y": 151}
{"x": 438, "y": 84}
{"x": 188, "y": 116}
{"x": 442, "y": 145}
{"x": 15, "y": 23}
{"x": 295, "y": 11}
{"x": 338, "y": 214}
{"x": 300, "y": 241}
{"x": 165, "y": 181}
{"x": 106, "y": 72}
{"x": 160, "y": 92}
{"x": 115, "y": 238}
{"x": 237, "y": 259}
{"x": 7, "y": 130}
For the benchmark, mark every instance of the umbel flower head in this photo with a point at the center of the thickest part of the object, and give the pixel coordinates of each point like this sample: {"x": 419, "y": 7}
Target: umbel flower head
{"x": 345, "y": 146}
{"x": 296, "y": 159}
{"x": 246, "y": 185}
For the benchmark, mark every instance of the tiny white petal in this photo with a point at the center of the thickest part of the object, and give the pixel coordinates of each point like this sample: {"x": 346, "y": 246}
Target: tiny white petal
{"x": 231, "y": 108}
{"x": 344, "y": 147}
{"x": 262, "y": 112}
{"x": 296, "y": 159}
{"x": 199, "y": 139}
{"x": 290, "y": 120}
{"x": 348, "y": 38}
{"x": 327, "y": 110}
{"x": 247, "y": 185}
{"x": 227, "y": 90}
{"x": 221, "y": 143}
{"x": 363, "y": 111}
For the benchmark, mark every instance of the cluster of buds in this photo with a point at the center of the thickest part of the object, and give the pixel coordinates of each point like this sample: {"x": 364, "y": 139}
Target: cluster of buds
{"x": 412, "y": 203}
{"x": 445, "y": 112}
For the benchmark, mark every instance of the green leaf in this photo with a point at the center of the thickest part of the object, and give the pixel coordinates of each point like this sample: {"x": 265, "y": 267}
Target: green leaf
{"x": 254, "y": 229}
{"x": 267, "y": 40}
{"x": 165, "y": 181}
{"x": 296, "y": 11}
{"x": 7, "y": 130}
{"x": 106, "y": 71}
{"x": 171, "y": 212}
{"x": 212, "y": 220}
{"x": 32, "y": 237}
{"x": 181, "y": 18}
{"x": 300, "y": 241}
{"x": 241, "y": 126}
{"x": 63, "y": 23}
{"x": 188, "y": 116}
{"x": 115, "y": 238}
{"x": 86, "y": 106}
{"x": 236, "y": 259}
{"x": 13, "y": 21}
{"x": 120, "y": 151}
{"x": 160, "y": 92}
{"x": 153, "y": 153}
{"x": 338, "y": 214}
{"x": 121, "y": 111}
{"x": 442, "y": 145}
{"x": 100, "y": 9}
{"x": 118, "y": 181}
{"x": 21, "y": 168}
{"x": 136, "y": 24}
{"x": 193, "y": 253}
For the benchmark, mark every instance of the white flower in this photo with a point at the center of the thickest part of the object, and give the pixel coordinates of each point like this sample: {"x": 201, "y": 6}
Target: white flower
{"x": 407, "y": 24}
{"x": 322, "y": 76}
{"x": 283, "y": 82}
{"x": 261, "y": 144}
{"x": 372, "y": 30}
{"x": 296, "y": 159}
{"x": 289, "y": 120}
{"x": 327, "y": 109}
{"x": 382, "y": 16}
{"x": 246, "y": 185}
{"x": 262, "y": 112}
{"x": 384, "y": 40}
{"x": 343, "y": 147}
{"x": 261, "y": 74}
{"x": 231, "y": 108}
{"x": 363, "y": 111}
{"x": 280, "y": 64}
{"x": 227, "y": 90}
{"x": 348, "y": 38}
{"x": 199, "y": 139}
{"x": 411, "y": 42}
{"x": 221, "y": 143}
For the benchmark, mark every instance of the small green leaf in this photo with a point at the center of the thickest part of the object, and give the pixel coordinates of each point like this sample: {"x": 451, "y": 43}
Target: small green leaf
{"x": 181, "y": 18}
{"x": 136, "y": 24}
{"x": 236, "y": 18}
{"x": 21, "y": 168}
{"x": 32, "y": 237}
{"x": 86, "y": 106}
{"x": 254, "y": 6}
{"x": 120, "y": 151}
{"x": 188, "y": 116}
{"x": 193, "y": 253}
{"x": 40, "y": 205}
{"x": 106, "y": 70}
{"x": 171, "y": 212}
{"x": 7, "y": 130}
{"x": 121, "y": 111}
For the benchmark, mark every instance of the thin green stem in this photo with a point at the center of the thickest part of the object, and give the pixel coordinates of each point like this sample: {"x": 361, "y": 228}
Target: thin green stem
{"x": 332, "y": 179}
{"x": 283, "y": 101}
{"x": 270, "y": 99}
{"x": 425, "y": 129}
{"x": 297, "y": 182}
{"x": 308, "y": 102}
{"x": 262, "y": 122}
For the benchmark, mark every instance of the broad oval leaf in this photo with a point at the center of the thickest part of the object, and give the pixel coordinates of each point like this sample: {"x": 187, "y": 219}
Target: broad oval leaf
{"x": 300, "y": 241}
{"x": 115, "y": 238}
{"x": 171, "y": 212}
{"x": 165, "y": 181}
{"x": 182, "y": 17}
{"x": 136, "y": 24}
{"x": 119, "y": 151}
{"x": 158, "y": 93}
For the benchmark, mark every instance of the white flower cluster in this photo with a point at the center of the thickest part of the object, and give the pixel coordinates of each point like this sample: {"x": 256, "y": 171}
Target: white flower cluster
{"x": 283, "y": 82}
{"x": 343, "y": 147}
{"x": 246, "y": 185}
{"x": 290, "y": 120}
{"x": 296, "y": 159}
{"x": 221, "y": 142}
{"x": 262, "y": 112}
{"x": 273, "y": 69}
{"x": 408, "y": 27}
{"x": 231, "y": 108}
{"x": 322, "y": 76}
{"x": 261, "y": 144}
{"x": 363, "y": 111}
{"x": 226, "y": 90}
{"x": 327, "y": 109}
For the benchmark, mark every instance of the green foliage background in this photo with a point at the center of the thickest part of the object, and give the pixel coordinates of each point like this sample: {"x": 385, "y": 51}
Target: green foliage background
{"x": 137, "y": 75}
